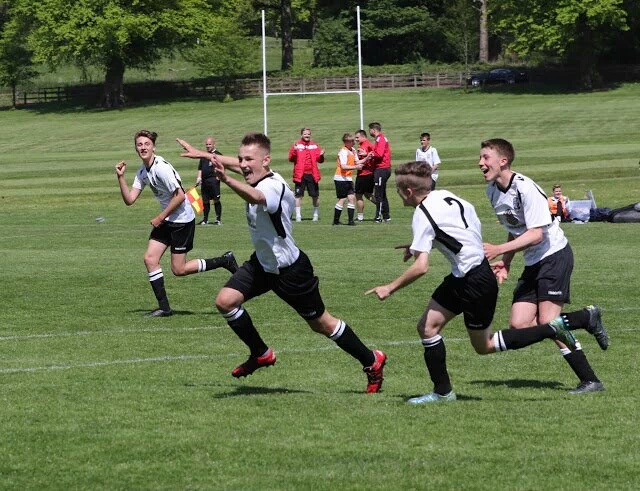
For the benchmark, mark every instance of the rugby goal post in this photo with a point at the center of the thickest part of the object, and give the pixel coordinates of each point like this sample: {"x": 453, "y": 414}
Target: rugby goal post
{"x": 266, "y": 93}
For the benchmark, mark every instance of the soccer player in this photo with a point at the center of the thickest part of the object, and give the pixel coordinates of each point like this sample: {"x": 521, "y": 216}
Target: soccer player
{"x": 544, "y": 286}
{"x": 346, "y": 163}
{"x": 428, "y": 153}
{"x": 450, "y": 224}
{"x": 277, "y": 264}
{"x": 173, "y": 227}
{"x": 364, "y": 180}
{"x": 305, "y": 154}
{"x": 381, "y": 157}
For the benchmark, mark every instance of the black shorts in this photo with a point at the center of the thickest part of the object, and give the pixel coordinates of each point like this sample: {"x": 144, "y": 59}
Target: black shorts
{"x": 177, "y": 235}
{"x": 210, "y": 189}
{"x": 549, "y": 279}
{"x": 475, "y": 295}
{"x": 364, "y": 184}
{"x": 296, "y": 285}
{"x": 343, "y": 188}
{"x": 309, "y": 184}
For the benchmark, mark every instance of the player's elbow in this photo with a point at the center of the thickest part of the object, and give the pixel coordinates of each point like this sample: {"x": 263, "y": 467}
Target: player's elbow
{"x": 536, "y": 236}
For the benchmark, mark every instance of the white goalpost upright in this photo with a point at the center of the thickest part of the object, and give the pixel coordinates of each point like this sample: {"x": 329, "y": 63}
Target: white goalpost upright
{"x": 266, "y": 93}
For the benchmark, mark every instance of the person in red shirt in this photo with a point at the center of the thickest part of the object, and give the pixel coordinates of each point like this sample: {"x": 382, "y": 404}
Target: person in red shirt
{"x": 364, "y": 179}
{"x": 305, "y": 154}
{"x": 382, "y": 173}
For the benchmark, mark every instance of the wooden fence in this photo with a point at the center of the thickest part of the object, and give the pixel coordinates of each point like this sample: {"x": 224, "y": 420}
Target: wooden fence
{"x": 91, "y": 95}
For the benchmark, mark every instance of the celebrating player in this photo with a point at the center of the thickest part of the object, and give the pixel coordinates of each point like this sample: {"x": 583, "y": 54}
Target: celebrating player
{"x": 450, "y": 224}
{"x": 277, "y": 263}
{"x": 543, "y": 288}
{"x": 173, "y": 227}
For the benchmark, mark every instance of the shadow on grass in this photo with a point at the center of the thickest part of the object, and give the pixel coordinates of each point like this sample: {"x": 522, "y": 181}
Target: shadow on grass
{"x": 243, "y": 390}
{"x": 175, "y": 312}
{"x": 521, "y": 384}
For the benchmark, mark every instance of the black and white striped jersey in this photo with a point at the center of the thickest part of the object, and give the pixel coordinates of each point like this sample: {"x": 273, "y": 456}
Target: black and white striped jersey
{"x": 521, "y": 206}
{"x": 270, "y": 224}
{"x": 163, "y": 180}
{"x": 451, "y": 225}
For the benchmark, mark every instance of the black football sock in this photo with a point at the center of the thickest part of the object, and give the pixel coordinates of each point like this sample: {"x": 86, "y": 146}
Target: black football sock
{"x": 350, "y": 212}
{"x": 156, "y": 278}
{"x": 207, "y": 209}
{"x": 578, "y": 362}
{"x": 337, "y": 211}
{"x": 348, "y": 341}
{"x": 217, "y": 206}
{"x": 576, "y": 320}
{"x": 435, "y": 356}
{"x": 240, "y": 321}
{"x": 507, "y": 339}
{"x": 211, "y": 263}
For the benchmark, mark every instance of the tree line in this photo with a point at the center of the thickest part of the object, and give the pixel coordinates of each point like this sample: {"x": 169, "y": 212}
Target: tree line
{"x": 221, "y": 37}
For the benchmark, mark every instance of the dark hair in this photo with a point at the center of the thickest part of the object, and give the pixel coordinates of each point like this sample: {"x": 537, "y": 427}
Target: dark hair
{"x": 259, "y": 139}
{"x": 361, "y": 132}
{"x": 425, "y": 135}
{"x": 375, "y": 126}
{"x": 151, "y": 135}
{"x": 303, "y": 130}
{"x": 502, "y": 147}
{"x": 415, "y": 175}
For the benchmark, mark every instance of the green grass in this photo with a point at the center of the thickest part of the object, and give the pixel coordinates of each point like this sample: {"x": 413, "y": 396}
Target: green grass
{"x": 96, "y": 397}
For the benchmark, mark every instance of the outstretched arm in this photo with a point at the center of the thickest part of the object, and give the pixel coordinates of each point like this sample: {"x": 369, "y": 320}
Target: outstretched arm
{"x": 248, "y": 193}
{"x": 192, "y": 152}
{"x": 419, "y": 267}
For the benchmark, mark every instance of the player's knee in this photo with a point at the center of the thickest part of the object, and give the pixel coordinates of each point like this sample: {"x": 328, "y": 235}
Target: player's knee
{"x": 150, "y": 261}
{"x": 224, "y": 302}
{"x": 179, "y": 270}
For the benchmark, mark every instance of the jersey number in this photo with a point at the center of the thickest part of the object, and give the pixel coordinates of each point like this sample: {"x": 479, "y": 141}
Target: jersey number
{"x": 450, "y": 203}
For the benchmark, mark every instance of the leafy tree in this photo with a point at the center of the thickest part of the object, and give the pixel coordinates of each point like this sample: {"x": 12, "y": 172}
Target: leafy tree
{"x": 399, "y": 31}
{"x": 460, "y": 24}
{"x": 110, "y": 34}
{"x": 224, "y": 50}
{"x": 16, "y": 67}
{"x": 334, "y": 43}
{"x": 576, "y": 30}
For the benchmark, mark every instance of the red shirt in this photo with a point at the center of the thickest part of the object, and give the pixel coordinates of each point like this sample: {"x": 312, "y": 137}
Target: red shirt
{"x": 364, "y": 148}
{"x": 305, "y": 157}
{"x": 382, "y": 152}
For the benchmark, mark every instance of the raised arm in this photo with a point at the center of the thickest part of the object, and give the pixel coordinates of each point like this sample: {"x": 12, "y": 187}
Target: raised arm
{"x": 129, "y": 196}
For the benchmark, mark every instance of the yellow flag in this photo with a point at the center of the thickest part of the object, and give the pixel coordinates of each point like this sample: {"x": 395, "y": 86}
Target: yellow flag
{"x": 195, "y": 200}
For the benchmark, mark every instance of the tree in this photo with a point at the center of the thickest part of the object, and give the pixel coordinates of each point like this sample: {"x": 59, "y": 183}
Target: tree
{"x": 224, "y": 50}
{"x": 16, "y": 67}
{"x": 484, "y": 32}
{"x": 399, "y": 31}
{"x": 334, "y": 43}
{"x": 576, "y": 30}
{"x": 461, "y": 29}
{"x": 286, "y": 21}
{"x": 110, "y": 34}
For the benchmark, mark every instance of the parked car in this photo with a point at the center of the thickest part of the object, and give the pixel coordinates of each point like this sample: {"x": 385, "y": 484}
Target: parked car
{"x": 498, "y": 76}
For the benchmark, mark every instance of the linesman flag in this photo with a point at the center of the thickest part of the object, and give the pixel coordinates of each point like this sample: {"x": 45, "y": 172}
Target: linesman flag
{"x": 195, "y": 200}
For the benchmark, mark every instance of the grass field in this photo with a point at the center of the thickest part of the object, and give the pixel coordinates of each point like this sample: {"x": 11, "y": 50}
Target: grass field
{"x": 94, "y": 396}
